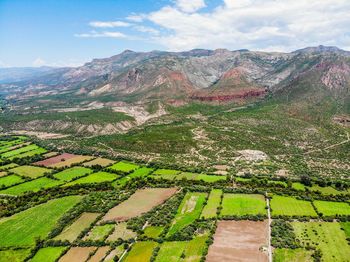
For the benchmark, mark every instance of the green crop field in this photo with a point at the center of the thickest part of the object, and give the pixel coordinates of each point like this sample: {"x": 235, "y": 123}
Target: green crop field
{"x": 298, "y": 186}
{"x": 38, "y": 151}
{"x": 138, "y": 173}
{"x": 99, "y": 233}
{"x": 19, "y": 151}
{"x": 195, "y": 248}
{"x": 328, "y": 208}
{"x": 31, "y": 186}
{"x": 292, "y": 255}
{"x": 8, "y": 166}
{"x": 123, "y": 166}
{"x": 10, "y": 180}
{"x": 171, "y": 251}
{"x": 23, "y": 228}
{"x": 346, "y": 227}
{"x": 72, "y": 231}
{"x": 289, "y": 206}
{"x": 153, "y": 231}
{"x": 325, "y": 190}
{"x": 243, "y": 204}
{"x": 30, "y": 171}
{"x": 48, "y": 254}
{"x": 210, "y": 209}
{"x": 326, "y": 236}
{"x": 71, "y": 173}
{"x": 170, "y": 175}
{"x": 141, "y": 252}
{"x": 98, "y": 177}
{"x": 189, "y": 210}
{"x": 14, "y": 255}
{"x": 166, "y": 172}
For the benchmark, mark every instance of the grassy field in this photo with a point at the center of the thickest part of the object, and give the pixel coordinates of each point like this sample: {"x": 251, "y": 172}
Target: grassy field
{"x": 30, "y": 171}
{"x": 141, "y": 252}
{"x": 326, "y": 236}
{"x": 71, "y": 173}
{"x": 195, "y": 248}
{"x": 346, "y": 227}
{"x": 209, "y": 211}
{"x": 188, "y": 211}
{"x": 8, "y": 166}
{"x": 289, "y": 206}
{"x": 124, "y": 166}
{"x": 328, "y": 208}
{"x": 23, "y": 228}
{"x": 14, "y": 255}
{"x": 328, "y": 190}
{"x": 98, "y": 177}
{"x": 171, "y": 251}
{"x": 120, "y": 231}
{"x": 298, "y": 186}
{"x": 98, "y": 233}
{"x": 48, "y": 254}
{"x": 141, "y": 172}
{"x": 292, "y": 255}
{"x": 118, "y": 251}
{"x": 243, "y": 204}
{"x": 166, "y": 172}
{"x": 189, "y": 176}
{"x": 99, "y": 162}
{"x": 38, "y": 151}
{"x": 15, "y": 152}
{"x": 153, "y": 231}
{"x": 72, "y": 161}
{"x": 10, "y": 180}
{"x": 72, "y": 231}
{"x": 31, "y": 186}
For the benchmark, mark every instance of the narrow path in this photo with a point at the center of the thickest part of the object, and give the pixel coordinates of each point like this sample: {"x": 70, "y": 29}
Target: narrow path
{"x": 269, "y": 248}
{"x": 331, "y": 146}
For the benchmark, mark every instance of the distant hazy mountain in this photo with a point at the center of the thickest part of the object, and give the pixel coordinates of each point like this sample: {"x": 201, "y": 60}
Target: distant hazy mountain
{"x": 16, "y": 74}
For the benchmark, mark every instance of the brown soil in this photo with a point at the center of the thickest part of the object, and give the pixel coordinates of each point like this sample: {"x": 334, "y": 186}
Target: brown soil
{"x": 239, "y": 241}
{"x": 140, "y": 202}
{"x": 100, "y": 254}
{"x": 77, "y": 254}
{"x": 55, "y": 160}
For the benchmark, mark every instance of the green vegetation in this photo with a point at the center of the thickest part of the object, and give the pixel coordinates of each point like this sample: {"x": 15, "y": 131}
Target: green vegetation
{"x": 123, "y": 167}
{"x": 292, "y": 255}
{"x": 138, "y": 173}
{"x": 8, "y": 166}
{"x": 298, "y": 186}
{"x": 23, "y": 228}
{"x": 166, "y": 172}
{"x": 171, "y": 251}
{"x": 20, "y": 150}
{"x": 121, "y": 231}
{"x": 243, "y": 205}
{"x": 99, "y": 233}
{"x": 141, "y": 252}
{"x": 327, "y": 208}
{"x": 325, "y": 190}
{"x": 31, "y": 186}
{"x": 99, "y": 177}
{"x": 346, "y": 227}
{"x": 213, "y": 203}
{"x": 10, "y": 180}
{"x": 189, "y": 210}
{"x": 289, "y": 206}
{"x": 30, "y": 171}
{"x": 14, "y": 255}
{"x": 72, "y": 173}
{"x": 48, "y": 254}
{"x": 324, "y": 236}
{"x": 153, "y": 231}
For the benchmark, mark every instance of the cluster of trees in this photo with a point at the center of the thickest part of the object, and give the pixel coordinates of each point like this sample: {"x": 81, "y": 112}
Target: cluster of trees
{"x": 282, "y": 235}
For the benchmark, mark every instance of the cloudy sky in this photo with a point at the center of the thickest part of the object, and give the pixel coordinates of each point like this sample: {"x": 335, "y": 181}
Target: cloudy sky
{"x": 71, "y": 32}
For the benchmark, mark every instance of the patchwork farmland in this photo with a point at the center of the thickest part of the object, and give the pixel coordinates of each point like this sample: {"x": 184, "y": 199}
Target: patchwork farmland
{"x": 59, "y": 206}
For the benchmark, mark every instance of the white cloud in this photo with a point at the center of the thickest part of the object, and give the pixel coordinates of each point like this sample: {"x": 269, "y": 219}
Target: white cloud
{"x": 95, "y": 34}
{"x": 108, "y": 24}
{"x": 190, "y": 6}
{"x": 135, "y": 18}
{"x": 39, "y": 62}
{"x": 253, "y": 24}
{"x": 146, "y": 29}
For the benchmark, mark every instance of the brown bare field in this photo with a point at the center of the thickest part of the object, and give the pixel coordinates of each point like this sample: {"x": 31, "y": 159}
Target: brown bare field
{"x": 122, "y": 232}
{"x": 239, "y": 241}
{"x": 50, "y": 154}
{"x": 3, "y": 174}
{"x": 77, "y": 254}
{"x": 142, "y": 201}
{"x": 99, "y": 161}
{"x": 75, "y": 160}
{"x": 100, "y": 254}
{"x": 54, "y": 160}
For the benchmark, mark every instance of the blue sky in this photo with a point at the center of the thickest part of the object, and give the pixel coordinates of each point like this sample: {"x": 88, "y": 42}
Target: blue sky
{"x": 72, "y": 32}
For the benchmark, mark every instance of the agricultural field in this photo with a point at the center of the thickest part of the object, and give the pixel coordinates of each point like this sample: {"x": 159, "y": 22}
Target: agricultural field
{"x": 121, "y": 231}
{"x": 10, "y": 180}
{"x": 15, "y": 152}
{"x": 72, "y": 173}
{"x": 289, "y": 206}
{"x": 48, "y": 254}
{"x": 141, "y": 251}
{"x": 138, "y": 173}
{"x": 172, "y": 175}
{"x": 72, "y": 161}
{"x": 243, "y": 205}
{"x": 8, "y": 166}
{"x": 30, "y": 171}
{"x": 328, "y": 208}
{"x": 14, "y": 255}
{"x": 99, "y": 232}
{"x": 71, "y": 232}
{"x": 140, "y": 202}
{"x": 103, "y": 162}
{"x": 123, "y": 167}
{"x": 21, "y": 229}
{"x": 211, "y": 208}
{"x": 292, "y": 255}
{"x": 153, "y": 231}
{"x": 169, "y": 172}
{"x": 100, "y": 253}
{"x": 99, "y": 177}
{"x": 189, "y": 210}
{"x": 77, "y": 254}
{"x": 325, "y": 236}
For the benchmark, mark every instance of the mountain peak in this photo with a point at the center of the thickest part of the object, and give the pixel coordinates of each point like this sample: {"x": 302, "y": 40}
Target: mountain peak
{"x": 321, "y": 49}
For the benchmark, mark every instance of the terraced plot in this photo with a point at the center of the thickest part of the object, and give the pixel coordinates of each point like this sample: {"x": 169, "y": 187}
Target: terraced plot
{"x": 189, "y": 210}
{"x": 55, "y": 160}
{"x": 99, "y": 233}
{"x": 141, "y": 252}
{"x": 121, "y": 231}
{"x": 75, "y": 160}
{"x": 31, "y": 153}
{"x": 10, "y": 180}
{"x": 48, "y": 254}
{"x": 188, "y": 176}
{"x": 166, "y": 172}
{"x": 103, "y": 162}
{"x": 213, "y": 203}
{"x": 138, "y": 173}
{"x": 23, "y": 228}
{"x": 243, "y": 204}
{"x": 31, "y": 186}
{"x": 30, "y": 171}
{"x": 171, "y": 251}
{"x": 142, "y": 201}
{"x": 18, "y": 151}
{"x": 124, "y": 167}
{"x": 298, "y": 186}
{"x": 326, "y": 236}
{"x": 72, "y": 232}
{"x": 8, "y": 166}
{"x": 325, "y": 190}
{"x": 71, "y": 173}
{"x": 289, "y": 206}
{"x": 117, "y": 252}
{"x": 99, "y": 177}
{"x": 328, "y": 208}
